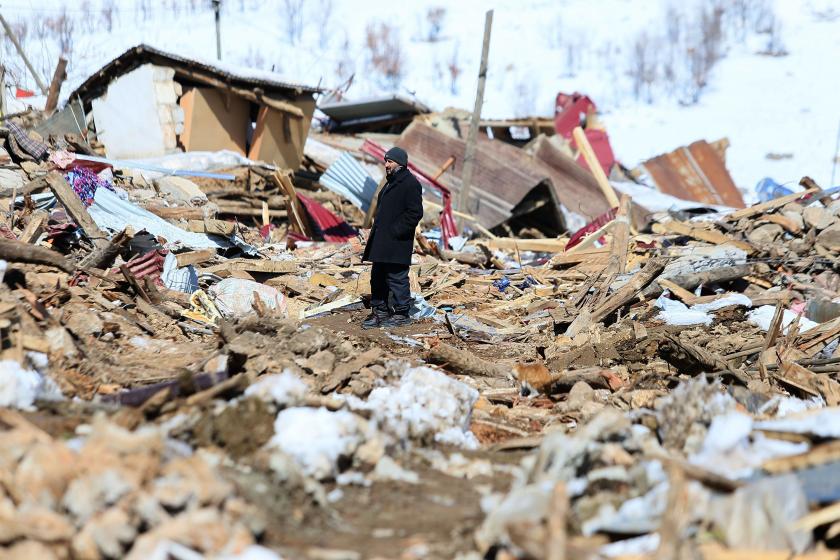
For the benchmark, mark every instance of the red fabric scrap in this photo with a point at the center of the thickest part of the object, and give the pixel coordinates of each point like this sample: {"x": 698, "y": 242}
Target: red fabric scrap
{"x": 591, "y": 227}
{"x": 328, "y": 225}
{"x": 22, "y": 93}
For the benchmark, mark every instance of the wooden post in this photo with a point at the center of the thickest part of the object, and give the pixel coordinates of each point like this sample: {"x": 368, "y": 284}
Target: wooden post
{"x": 55, "y": 86}
{"x": 7, "y": 28}
{"x": 595, "y": 166}
{"x": 466, "y": 177}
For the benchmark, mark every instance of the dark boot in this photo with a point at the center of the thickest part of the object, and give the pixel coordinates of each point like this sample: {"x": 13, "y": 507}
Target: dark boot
{"x": 375, "y": 319}
{"x": 398, "y": 319}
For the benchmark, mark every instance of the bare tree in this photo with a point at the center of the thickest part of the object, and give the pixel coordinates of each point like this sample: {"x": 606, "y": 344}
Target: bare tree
{"x": 324, "y": 11}
{"x": 455, "y": 71}
{"x": 109, "y": 9}
{"x": 385, "y": 53}
{"x": 435, "y": 18}
{"x": 293, "y": 19}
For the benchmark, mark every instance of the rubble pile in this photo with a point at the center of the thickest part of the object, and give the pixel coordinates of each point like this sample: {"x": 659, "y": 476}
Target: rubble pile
{"x": 597, "y": 369}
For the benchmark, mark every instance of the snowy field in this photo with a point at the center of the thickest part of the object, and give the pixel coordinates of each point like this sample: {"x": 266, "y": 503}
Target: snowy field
{"x": 771, "y": 86}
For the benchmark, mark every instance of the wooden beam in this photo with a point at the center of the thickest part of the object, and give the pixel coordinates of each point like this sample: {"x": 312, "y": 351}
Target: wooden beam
{"x": 595, "y": 166}
{"x": 76, "y": 209}
{"x": 35, "y": 227}
{"x": 536, "y": 245}
{"x": 254, "y": 265}
{"x": 700, "y": 233}
{"x": 756, "y": 209}
{"x": 55, "y": 86}
{"x": 195, "y": 257}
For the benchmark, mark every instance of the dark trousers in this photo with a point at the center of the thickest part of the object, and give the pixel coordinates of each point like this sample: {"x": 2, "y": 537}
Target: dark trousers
{"x": 389, "y": 278}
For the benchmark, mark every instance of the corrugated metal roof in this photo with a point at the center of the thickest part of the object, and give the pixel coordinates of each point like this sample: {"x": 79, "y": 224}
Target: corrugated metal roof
{"x": 348, "y": 178}
{"x": 142, "y": 54}
{"x": 365, "y": 108}
{"x": 696, "y": 172}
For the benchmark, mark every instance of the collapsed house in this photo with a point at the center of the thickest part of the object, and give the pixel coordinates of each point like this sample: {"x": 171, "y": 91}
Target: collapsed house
{"x": 148, "y": 103}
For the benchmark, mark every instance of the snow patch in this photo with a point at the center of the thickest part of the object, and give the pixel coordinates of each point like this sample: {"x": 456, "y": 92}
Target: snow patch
{"x": 425, "y": 404}
{"x": 19, "y": 386}
{"x": 316, "y": 438}
{"x": 283, "y": 389}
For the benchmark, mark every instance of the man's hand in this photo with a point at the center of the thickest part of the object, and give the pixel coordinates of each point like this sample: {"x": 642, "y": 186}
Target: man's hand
{"x": 364, "y": 234}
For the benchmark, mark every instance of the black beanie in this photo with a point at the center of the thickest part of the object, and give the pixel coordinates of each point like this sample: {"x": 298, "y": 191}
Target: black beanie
{"x": 397, "y": 155}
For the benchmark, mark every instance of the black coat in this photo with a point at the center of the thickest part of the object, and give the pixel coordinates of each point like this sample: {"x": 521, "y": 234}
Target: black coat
{"x": 399, "y": 208}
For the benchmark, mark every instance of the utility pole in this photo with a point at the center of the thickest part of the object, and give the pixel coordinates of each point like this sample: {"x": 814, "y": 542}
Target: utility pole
{"x": 466, "y": 176}
{"x": 2, "y": 91}
{"x": 216, "y": 7}
{"x": 22, "y": 54}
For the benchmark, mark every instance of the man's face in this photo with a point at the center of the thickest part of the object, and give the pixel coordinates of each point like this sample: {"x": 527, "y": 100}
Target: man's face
{"x": 391, "y": 166}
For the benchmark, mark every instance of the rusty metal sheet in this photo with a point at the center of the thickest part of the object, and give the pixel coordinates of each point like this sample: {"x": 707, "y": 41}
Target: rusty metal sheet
{"x": 695, "y": 172}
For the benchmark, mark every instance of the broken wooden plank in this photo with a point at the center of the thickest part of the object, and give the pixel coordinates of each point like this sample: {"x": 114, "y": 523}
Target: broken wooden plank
{"x": 76, "y": 209}
{"x": 700, "y": 233}
{"x": 216, "y": 227}
{"x": 619, "y": 298}
{"x": 254, "y": 265}
{"x": 445, "y": 284}
{"x": 594, "y": 165}
{"x": 105, "y": 256}
{"x": 195, "y": 257}
{"x": 176, "y": 213}
{"x": 35, "y": 227}
{"x": 331, "y": 306}
{"x": 536, "y": 245}
{"x": 17, "y": 251}
{"x": 599, "y": 256}
{"x": 763, "y": 207}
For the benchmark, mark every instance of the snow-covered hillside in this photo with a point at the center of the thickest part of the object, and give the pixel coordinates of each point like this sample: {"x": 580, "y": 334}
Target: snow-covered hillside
{"x": 638, "y": 59}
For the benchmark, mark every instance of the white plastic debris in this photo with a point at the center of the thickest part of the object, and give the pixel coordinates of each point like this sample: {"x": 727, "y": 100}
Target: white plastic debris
{"x": 425, "y": 404}
{"x": 284, "y": 389}
{"x": 677, "y": 313}
{"x": 763, "y": 316}
{"x": 732, "y": 450}
{"x": 183, "y": 279}
{"x": 823, "y": 422}
{"x": 317, "y": 438}
{"x": 235, "y": 297}
{"x": 19, "y": 386}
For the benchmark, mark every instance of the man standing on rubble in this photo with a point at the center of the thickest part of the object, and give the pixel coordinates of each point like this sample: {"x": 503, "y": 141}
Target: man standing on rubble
{"x": 399, "y": 208}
